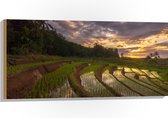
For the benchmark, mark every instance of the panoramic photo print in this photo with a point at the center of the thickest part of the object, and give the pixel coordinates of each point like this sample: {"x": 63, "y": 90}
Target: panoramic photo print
{"x": 76, "y": 59}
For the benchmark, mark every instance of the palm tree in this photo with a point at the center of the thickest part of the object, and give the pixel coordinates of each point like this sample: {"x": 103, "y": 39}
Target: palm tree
{"x": 154, "y": 55}
{"x": 43, "y": 24}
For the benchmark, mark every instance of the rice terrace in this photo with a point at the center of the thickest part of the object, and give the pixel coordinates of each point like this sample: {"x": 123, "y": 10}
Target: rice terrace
{"x": 73, "y": 59}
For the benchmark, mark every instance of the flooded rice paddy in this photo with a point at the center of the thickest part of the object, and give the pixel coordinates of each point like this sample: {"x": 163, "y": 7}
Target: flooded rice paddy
{"x": 147, "y": 83}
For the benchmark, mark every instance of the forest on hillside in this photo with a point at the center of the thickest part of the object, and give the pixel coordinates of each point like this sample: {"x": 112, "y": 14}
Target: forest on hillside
{"x": 43, "y": 63}
{"x": 39, "y": 37}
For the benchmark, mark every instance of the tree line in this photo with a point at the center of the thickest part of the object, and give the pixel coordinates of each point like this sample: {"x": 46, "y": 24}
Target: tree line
{"x": 38, "y": 37}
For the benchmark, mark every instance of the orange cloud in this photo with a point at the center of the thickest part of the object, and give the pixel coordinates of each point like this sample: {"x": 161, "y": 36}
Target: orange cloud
{"x": 139, "y": 48}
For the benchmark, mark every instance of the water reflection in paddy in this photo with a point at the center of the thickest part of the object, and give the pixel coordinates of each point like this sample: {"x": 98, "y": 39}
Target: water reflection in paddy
{"x": 133, "y": 85}
{"x": 92, "y": 85}
{"x": 116, "y": 85}
{"x": 126, "y": 69}
{"x": 155, "y": 74}
{"x": 63, "y": 91}
{"x": 137, "y": 71}
{"x": 144, "y": 82}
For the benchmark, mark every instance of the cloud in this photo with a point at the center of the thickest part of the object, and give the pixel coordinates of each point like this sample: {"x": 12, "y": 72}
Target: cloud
{"x": 135, "y": 39}
{"x": 134, "y": 30}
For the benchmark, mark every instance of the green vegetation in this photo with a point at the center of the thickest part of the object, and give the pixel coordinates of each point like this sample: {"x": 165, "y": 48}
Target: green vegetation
{"x": 79, "y": 90}
{"x": 23, "y": 67}
{"x": 39, "y": 37}
{"x": 52, "y": 80}
{"x": 91, "y": 84}
{"x": 163, "y": 73}
{"x": 33, "y": 43}
{"x": 90, "y": 68}
{"x": 34, "y": 57}
{"x": 159, "y": 65}
{"x": 39, "y": 60}
{"x": 53, "y": 83}
{"x": 117, "y": 86}
{"x": 43, "y": 60}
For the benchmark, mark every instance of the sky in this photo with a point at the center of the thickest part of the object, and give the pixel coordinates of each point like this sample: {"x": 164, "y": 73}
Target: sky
{"x": 133, "y": 39}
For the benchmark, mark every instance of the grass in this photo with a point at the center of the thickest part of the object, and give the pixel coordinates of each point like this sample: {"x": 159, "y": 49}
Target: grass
{"x": 164, "y": 74}
{"x": 90, "y": 68}
{"x": 79, "y": 90}
{"x": 42, "y": 60}
{"x": 52, "y": 80}
{"x": 34, "y": 57}
{"x": 161, "y": 66}
{"x": 23, "y": 67}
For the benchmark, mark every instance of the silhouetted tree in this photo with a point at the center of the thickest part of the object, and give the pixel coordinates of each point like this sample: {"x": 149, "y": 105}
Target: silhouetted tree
{"x": 122, "y": 55}
{"x": 37, "y": 36}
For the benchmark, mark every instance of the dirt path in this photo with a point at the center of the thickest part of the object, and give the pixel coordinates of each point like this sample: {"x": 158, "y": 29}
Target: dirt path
{"x": 78, "y": 71}
{"x": 98, "y": 75}
{"x": 19, "y": 84}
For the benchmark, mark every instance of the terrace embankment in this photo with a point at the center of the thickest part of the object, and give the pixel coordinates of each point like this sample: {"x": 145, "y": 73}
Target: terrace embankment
{"x": 112, "y": 71}
{"x": 75, "y": 81}
{"x": 98, "y": 75}
{"x": 19, "y": 84}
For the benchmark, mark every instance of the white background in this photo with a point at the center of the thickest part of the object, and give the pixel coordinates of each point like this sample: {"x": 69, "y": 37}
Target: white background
{"x": 111, "y": 10}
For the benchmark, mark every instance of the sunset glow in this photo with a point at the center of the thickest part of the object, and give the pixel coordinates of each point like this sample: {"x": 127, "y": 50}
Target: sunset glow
{"x": 134, "y": 40}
